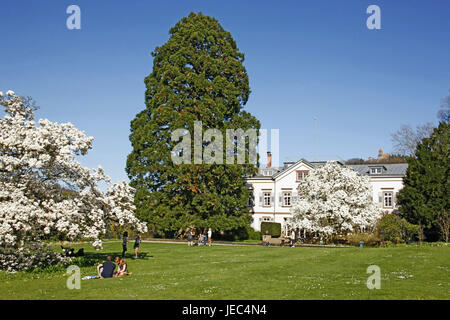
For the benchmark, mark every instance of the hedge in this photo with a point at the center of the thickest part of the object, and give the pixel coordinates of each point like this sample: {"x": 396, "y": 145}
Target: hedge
{"x": 271, "y": 228}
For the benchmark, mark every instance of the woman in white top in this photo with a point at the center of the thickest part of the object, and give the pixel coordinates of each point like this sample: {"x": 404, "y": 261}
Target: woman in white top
{"x": 209, "y": 236}
{"x": 292, "y": 238}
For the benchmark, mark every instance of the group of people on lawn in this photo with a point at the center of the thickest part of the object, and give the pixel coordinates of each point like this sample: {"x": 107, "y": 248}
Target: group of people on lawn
{"x": 201, "y": 238}
{"x": 106, "y": 269}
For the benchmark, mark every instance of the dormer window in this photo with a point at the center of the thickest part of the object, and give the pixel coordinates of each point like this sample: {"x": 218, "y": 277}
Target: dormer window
{"x": 375, "y": 170}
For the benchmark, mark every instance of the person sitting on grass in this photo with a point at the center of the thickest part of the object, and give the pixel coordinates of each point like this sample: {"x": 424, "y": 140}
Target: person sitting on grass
{"x": 106, "y": 269}
{"x": 122, "y": 269}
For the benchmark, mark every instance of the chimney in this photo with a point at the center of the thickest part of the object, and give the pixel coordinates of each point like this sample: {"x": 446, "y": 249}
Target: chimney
{"x": 269, "y": 159}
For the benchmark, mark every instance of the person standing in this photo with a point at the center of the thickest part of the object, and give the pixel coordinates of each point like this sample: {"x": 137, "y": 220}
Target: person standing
{"x": 190, "y": 238}
{"x": 209, "y": 237}
{"x": 137, "y": 243}
{"x": 124, "y": 244}
{"x": 292, "y": 238}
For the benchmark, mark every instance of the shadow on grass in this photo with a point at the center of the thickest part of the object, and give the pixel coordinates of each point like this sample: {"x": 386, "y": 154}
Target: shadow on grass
{"x": 94, "y": 258}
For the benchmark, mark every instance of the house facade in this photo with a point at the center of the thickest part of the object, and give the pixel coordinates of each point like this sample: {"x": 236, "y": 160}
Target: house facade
{"x": 274, "y": 189}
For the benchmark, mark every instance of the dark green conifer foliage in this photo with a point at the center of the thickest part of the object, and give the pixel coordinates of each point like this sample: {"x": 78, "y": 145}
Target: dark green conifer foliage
{"x": 426, "y": 191}
{"x": 198, "y": 75}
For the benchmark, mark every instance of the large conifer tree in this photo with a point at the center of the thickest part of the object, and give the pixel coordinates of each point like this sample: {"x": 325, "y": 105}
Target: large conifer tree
{"x": 426, "y": 192}
{"x": 198, "y": 75}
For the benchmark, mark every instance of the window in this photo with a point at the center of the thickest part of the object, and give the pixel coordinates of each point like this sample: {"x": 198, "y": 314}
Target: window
{"x": 301, "y": 174}
{"x": 387, "y": 199}
{"x": 287, "y": 197}
{"x": 266, "y": 219}
{"x": 266, "y": 199}
{"x": 375, "y": 170}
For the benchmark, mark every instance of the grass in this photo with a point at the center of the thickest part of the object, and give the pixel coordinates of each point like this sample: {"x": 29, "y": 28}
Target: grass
{"x": 176, "y": 271}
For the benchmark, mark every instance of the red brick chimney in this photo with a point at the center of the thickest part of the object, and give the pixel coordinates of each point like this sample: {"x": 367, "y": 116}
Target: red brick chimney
{"x": 269, "y": 159}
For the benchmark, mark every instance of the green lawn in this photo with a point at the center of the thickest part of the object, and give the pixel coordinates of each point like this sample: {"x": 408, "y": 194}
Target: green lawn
{"x": 176, "y": 271}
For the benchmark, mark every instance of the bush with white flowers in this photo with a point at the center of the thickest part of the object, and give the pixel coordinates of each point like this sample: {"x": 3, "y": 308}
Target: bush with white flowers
{"x": 334, "y": 200}
{"x": 44, "y": 189}
{"x": 30, "y": 257}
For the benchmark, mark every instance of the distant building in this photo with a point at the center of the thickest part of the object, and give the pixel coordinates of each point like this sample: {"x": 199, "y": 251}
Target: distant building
{"x": 274, "y": 189}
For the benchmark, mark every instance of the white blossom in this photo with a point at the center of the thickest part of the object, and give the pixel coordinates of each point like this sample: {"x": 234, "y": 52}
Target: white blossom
{"x": 334, "y": 199}
{"x": 43, "y": 188}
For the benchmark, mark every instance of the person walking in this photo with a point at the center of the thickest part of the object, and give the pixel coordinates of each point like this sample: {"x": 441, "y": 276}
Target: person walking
{"x": 124, "y": 244}
{"x": 209, "y": 237}
{"x": 137, "y": 243}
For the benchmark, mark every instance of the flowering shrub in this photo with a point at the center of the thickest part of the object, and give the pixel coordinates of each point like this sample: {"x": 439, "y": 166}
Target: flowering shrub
{"x": 333, "y": 200}
{"x": 44, "y": 190}
{"x": 33, "y": 256}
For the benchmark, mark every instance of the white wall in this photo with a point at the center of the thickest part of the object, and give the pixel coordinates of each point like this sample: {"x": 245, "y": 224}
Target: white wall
{"x": 276, "y": 212}
{"x": 380, "y": 184}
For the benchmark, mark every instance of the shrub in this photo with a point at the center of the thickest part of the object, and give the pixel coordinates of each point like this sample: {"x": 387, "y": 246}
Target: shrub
{"x": 370, "y": 239}
{"x": 34, "y": 256}
{"x": 271, "y": 228}
{"x": 254, "y": 235}
{"x": 394, "y": 229}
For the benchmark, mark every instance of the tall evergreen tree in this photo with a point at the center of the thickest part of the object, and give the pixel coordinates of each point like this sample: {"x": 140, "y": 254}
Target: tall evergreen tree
{"x": 198, "y": 75}
{"x": 426, "y": 192}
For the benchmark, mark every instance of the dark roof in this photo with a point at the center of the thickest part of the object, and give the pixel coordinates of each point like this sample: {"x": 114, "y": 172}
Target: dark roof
{"x": 273, "y": 172}
{"x": 388, "y": 169}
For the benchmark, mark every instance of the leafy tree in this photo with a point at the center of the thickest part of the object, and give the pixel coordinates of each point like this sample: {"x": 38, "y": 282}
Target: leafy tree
{"x": 198, "y": 75}
{"x": 426, "y": 192}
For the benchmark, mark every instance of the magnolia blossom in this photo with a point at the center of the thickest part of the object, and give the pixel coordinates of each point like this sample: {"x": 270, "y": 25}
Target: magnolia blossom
{"x": 334, "y": 199}
{"x": 43, "y": 189}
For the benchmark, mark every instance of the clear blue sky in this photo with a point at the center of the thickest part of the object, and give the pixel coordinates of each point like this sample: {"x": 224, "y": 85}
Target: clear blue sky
{"x": 305, "y": 59}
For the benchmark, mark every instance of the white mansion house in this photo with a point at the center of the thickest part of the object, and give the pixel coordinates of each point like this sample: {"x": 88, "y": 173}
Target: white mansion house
{"x": 274, "y": 189}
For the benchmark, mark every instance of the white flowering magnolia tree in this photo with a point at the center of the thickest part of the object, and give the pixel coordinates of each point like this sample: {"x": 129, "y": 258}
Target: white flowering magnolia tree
{"x": 334, "y": 200}
{"x": 44, "y": 189}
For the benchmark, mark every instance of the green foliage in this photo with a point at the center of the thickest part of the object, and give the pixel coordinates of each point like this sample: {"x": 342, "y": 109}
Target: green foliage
{"x": 271, "y": 228}
{"x": 239, "y": 234}
{"x": 254, "y": 235}
{"x": 394, "y": 229}
{"x": 426, "y": 191}
{"x": 198, "y": 75}
{"x": 370, "y": 239}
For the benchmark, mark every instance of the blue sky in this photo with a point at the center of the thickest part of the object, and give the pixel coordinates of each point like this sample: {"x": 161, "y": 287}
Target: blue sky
{"x": 305, "y": 59}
